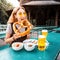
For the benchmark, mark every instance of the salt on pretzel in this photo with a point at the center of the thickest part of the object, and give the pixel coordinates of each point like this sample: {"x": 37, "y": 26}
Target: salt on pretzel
{"x": 23, "y": 23}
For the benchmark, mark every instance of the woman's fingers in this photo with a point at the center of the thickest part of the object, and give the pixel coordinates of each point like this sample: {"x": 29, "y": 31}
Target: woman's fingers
{"x": 16, "y": 36}
{"x": 15, "y": 10}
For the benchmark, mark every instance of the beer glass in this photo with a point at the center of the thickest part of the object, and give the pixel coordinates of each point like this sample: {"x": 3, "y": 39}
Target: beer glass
{"x": 41, "y": 42}
{"x": 45, "y": 32}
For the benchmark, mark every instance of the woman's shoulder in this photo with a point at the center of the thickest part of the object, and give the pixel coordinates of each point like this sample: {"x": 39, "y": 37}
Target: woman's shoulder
{"x": 9, "y": 28}
{"x": 9, "y": 24}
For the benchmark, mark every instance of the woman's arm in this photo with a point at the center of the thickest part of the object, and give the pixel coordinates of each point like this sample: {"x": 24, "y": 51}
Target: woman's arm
{"x": 8, "y": 38}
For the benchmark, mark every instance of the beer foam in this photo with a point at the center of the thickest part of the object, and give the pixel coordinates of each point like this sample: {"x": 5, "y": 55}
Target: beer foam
{"x": 44, "y": 30}
{"x": 41, "y": 36}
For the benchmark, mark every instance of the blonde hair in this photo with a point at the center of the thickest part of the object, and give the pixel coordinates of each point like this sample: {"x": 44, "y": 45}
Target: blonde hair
{"x": 12, "y": 17}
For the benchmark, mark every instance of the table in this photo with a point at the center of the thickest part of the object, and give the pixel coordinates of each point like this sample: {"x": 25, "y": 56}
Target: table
{"x": 6, "y": 52}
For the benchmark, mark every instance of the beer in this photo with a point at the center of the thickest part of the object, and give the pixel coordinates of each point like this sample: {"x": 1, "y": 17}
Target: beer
{"x": 45, "y": 32}
{"x": 41, "y": 42}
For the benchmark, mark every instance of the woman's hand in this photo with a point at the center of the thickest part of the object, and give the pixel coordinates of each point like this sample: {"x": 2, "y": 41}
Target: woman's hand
{"x": 15, "y": 10}
{"x": 15, "y": 36}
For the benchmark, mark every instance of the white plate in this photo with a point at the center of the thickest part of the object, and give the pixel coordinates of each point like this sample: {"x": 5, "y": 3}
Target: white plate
{"x": 29, "y": 46}
{"x": 17, "y": 46}
{"x": 47, "y": 43}
{"x": 30, "y": 41}
{"x": 34, "y": 41}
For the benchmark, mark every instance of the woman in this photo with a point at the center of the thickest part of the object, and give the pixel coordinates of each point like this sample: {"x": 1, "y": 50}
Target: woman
{"x": 17, "y": 15}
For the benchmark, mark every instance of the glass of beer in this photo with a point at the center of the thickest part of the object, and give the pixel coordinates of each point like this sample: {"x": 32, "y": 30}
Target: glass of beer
{"x": 41, "y": 42}
{"x": 45, "y": 32}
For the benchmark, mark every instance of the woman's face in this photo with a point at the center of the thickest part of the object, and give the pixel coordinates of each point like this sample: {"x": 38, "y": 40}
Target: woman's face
{"x": 21, "y": 15}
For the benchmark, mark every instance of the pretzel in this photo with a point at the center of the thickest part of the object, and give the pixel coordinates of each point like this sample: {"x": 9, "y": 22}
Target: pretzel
{"x": 23, "y": 23}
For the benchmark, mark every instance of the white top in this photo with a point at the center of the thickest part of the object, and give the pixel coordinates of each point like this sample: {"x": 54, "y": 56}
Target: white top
{"x": 9, "y": 29}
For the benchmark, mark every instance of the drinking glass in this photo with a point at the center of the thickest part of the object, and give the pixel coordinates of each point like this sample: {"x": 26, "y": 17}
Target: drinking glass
{"x": 34, "y": 35}
{"x": 41, "y": 42}
{"x": 45, "y": 32}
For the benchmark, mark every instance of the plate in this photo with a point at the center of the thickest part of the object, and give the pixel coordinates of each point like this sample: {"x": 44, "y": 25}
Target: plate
{"x": 34, "y": 41}
{"x": 29, "y": 46}
{"x": 17, "y": 46}
{"x": 47, "y": 43}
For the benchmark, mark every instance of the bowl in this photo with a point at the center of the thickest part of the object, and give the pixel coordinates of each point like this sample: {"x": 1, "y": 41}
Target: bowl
{"x": 17, "y": 46}
{"x": 29, "y": 46}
